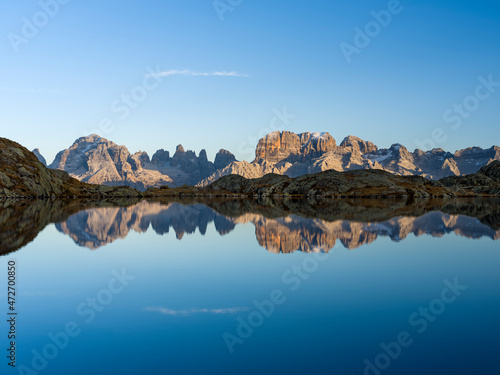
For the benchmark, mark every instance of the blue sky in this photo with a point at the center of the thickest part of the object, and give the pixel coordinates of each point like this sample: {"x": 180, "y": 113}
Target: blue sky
{"x": 267, "y": 56}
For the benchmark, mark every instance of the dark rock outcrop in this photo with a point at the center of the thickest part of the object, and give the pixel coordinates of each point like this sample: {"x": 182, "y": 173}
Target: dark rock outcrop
{"x": 39, "y": 156}
{"x": 205, "y": 167}
{"x": 160, "y": 157}
{"x": 357, "y": 183}
{"x": 223, "y": 159}
{"x": 23, "y": 176}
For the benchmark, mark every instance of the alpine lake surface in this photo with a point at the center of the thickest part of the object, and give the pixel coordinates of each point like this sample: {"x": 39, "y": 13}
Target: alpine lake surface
{"x": 252, "y": 286}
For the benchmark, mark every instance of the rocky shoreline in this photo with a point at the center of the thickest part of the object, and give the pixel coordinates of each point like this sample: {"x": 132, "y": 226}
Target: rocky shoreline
{"x": 22, "y": 220}
{"x": 354, "y": 184}
{"x": 23, "y": 176}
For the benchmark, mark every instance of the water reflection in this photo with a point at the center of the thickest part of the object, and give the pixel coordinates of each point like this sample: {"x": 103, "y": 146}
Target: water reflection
{"x": 280, "y": 226}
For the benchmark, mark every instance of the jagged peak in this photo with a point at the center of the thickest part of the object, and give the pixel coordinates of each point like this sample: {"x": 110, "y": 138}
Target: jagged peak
{"x": 437, "y": 151}
{"x": 92, "y": 138}
{"x": 315, "y": 135}
{"x": 470, "y": 151}
{"x": 39, "y": 156}
{"x": 309, "y": 138}
{"x": 280, "y": 152}
{"x": 275, "y": 134}
{"x": 203, "y": 155}
{"x": 143, "y": 156}
{"x": 160, "y": 156}
{"x": 309, "y": 135}
{"x": 356, "y": 142}
{"x": 223, "y": 159}
{"x": 223, "y": 151}
{"x": 351, "y": 138}
{"x": 491, "y": 170}
{"x": 396, "y": 146}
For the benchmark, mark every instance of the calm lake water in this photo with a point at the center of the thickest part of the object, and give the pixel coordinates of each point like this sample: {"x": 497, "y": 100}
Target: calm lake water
{"x": 238, "y": 287}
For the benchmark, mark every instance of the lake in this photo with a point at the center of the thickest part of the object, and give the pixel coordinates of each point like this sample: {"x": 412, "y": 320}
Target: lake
{"x": 253, "y": 286}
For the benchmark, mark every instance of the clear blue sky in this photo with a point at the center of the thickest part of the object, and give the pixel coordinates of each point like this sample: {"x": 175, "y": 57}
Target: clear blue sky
{"x": 269, "y": 55}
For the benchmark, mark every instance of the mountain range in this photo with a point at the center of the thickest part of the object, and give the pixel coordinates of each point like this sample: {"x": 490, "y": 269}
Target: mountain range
{"x": 96, "y": 160}
{"x": 281, "y": 226}
{"x": 94, "y": 228}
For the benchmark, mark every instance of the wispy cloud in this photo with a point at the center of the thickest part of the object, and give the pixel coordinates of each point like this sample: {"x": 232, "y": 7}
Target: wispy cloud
{"x": 191, "y": 73}
{"x": 165, "y": 311}
{"x": 27, "y": 90}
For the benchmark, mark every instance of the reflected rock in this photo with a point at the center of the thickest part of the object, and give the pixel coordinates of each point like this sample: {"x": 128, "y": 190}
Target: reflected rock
{"x": 276, "y": 230}
{"x": 281, "y": 226}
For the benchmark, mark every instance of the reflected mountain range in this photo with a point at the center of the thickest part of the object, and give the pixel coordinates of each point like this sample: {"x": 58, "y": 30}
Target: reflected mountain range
{"x": 282, "y": 226}
{"x": 97, "y": 227}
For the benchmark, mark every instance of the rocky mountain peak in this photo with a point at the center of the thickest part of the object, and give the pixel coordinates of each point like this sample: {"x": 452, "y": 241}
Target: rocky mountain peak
{"x": 205, "y": 167}
{"x": 142, "y": 156}
{"x": 160, "y": 157}
{"x": 138, "y": 160}
{"x": 473, "y": 152}
{"x": 316, "y": 144}
{"x": 450, "y": 167}
{"x": 93, "y": 138}
{"x": 396, "y": 146}
{"x": 94, "y": 159}
{"x": 287, "y": 146}
{"x": 39, "y": 156}
{"x": 223, "y": 159}
{"x": 439, "y": 152}
{"x": 203, "y": 156}
{"x": 492, "y": 170}
{"x": 495, "y": 152}
{"x": 418, "y": 153}
{"x": 401, "y": 151}
{"x": 365, "y": 147}
{"x": 22, "y": 175}
{"x": 186, "y": 160}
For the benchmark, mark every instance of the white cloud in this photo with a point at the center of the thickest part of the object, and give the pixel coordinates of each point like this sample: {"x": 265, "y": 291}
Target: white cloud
{"x": 190, "y": 73}
{"x": 27, "y": 91}
{"x": 165, "y": 311}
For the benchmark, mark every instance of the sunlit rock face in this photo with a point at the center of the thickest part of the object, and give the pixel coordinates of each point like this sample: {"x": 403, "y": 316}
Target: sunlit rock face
{"x": 287, "y": 146}
{"x": 96, "y": 160}
{"x": 293, "y": 155}
{"x": 24, "y": 176}
{"x": 97, "y": 227}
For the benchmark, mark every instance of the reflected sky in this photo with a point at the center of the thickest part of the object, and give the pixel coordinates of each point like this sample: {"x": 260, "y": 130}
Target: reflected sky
{"x": 184, "y": 295}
